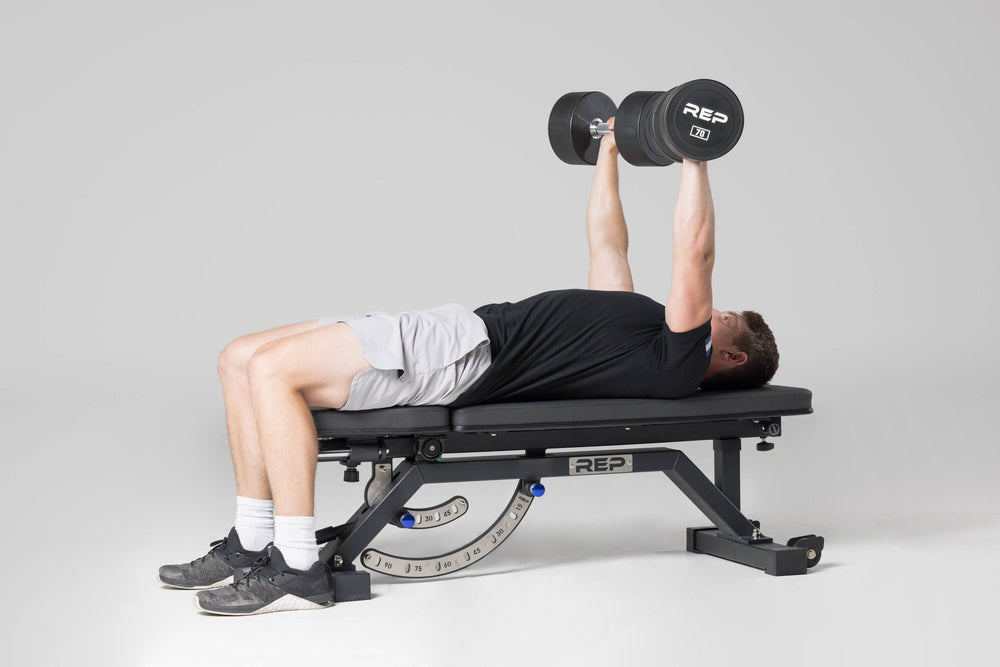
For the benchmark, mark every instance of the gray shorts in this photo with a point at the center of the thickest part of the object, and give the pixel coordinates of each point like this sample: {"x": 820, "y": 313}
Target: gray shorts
{"x": 421, "y": 357}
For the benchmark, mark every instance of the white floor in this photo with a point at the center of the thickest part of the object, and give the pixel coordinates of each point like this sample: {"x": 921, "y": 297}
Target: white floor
{"x": 597, "y": 573}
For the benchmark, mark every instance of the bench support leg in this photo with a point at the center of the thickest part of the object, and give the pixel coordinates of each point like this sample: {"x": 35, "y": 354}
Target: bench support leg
{"x": 727, "y": 468}
{"x": 349, "y": 583}
{"x": 757, "y": 551}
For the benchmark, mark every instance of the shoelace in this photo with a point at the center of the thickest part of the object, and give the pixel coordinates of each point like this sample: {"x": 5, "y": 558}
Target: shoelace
{"x": 258, "y": 564}
{"x": 216, "y": 545}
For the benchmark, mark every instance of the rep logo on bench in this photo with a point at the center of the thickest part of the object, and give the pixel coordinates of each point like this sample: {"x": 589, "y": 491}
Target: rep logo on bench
{"x": 600, "y": 465}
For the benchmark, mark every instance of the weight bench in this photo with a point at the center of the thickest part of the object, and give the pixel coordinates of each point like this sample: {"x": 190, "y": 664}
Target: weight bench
{"x": 528, "y": 442}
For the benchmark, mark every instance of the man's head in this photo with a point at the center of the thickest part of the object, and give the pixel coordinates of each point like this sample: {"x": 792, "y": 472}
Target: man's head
{"x": 744, "y": 353}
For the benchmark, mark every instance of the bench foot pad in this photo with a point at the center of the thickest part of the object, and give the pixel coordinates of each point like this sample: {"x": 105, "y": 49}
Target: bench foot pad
{"x": 351, "y": 585}
{"x": 775, "y": 559}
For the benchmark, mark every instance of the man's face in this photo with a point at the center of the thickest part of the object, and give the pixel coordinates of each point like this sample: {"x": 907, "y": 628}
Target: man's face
{"x": 726, "y": 328}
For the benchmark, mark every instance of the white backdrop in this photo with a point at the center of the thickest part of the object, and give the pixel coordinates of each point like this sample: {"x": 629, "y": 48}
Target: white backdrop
{"x": 175, "y": 174}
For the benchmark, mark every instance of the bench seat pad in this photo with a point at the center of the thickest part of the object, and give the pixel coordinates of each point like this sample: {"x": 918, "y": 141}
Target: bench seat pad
{"x": 761, "y": 403}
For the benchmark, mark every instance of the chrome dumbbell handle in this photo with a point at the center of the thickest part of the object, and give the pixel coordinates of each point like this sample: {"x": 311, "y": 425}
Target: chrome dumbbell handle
{"x": 598, "y": 128}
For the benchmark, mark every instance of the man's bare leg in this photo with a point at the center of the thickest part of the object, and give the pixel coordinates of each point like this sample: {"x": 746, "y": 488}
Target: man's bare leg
{"x": 269, "y": 380}
{"x": 241, "y": 423}
{"x": 287, "y": 376}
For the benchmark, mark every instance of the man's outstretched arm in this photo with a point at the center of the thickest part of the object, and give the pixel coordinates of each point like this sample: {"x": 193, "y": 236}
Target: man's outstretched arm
{"x": 607, "y": 234}
{"x": 689, "y": 304}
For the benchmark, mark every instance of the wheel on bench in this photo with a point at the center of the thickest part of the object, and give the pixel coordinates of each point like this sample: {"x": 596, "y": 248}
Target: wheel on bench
{"x": 813, "y": 546}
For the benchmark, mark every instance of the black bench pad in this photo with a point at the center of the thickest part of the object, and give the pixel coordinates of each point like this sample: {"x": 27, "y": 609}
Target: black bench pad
{"x": 762, "y": 403}
{"x": 769, "y": 401}
{"x": 407, "y": 420}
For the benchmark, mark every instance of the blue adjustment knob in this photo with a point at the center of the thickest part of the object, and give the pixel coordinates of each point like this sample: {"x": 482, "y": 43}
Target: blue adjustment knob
{"x": 538, "y": 489}
{"x": 407, "y": 520}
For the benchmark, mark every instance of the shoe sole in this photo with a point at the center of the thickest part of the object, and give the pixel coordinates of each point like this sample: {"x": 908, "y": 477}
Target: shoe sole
{"x": 284, "y": 603}
{"x": 219, "y": 584}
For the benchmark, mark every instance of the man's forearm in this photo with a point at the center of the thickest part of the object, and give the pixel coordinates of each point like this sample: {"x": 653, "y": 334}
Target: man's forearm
{"x": 694, "y": 216}
{"x": 605, "y": 217}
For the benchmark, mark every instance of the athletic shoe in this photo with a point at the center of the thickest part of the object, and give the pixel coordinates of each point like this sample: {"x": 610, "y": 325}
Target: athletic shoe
{"x": 226, "y": 558}
{"x": 271, "y": 585}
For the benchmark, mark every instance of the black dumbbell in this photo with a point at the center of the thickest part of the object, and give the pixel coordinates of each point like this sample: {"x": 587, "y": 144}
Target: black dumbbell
{"x": 573, "y": 125}
{"x": 699, "y": 120}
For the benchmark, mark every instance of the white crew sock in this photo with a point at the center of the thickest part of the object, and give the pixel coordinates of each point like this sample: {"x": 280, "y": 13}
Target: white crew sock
{"x": 254, "y": 522}
{"x": 295, "y": 537}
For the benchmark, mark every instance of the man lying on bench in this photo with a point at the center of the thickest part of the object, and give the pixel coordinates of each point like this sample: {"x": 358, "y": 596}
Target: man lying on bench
{"x": 603, "y": 342}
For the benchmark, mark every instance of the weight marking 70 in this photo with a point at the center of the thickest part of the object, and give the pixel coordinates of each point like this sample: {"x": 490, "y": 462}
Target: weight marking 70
{"x": 700, "y": 132}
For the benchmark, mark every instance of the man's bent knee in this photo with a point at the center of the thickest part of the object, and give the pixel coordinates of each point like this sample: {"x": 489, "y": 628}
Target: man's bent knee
{"x": 265, "y": 364}
{"x": 235, "y": 357}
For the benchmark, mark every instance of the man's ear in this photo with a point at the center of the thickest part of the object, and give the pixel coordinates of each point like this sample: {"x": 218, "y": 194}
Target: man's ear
{"x": 736, "y": 357}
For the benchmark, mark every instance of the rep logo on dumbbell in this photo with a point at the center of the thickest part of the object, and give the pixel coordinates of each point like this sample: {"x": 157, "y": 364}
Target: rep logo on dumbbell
{"x": 704, "y": 113}
{"x": 652, "y": 128}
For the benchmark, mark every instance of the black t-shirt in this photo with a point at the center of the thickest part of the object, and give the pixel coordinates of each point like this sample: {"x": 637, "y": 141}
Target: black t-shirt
{"x": 587, "y": 344}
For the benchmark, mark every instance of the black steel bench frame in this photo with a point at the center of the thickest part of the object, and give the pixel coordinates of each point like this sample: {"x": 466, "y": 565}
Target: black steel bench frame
{"x": 516, "y": 441}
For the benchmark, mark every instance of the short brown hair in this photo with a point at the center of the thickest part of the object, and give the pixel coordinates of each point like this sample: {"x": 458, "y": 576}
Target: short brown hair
{"x": 762, "y": 357}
